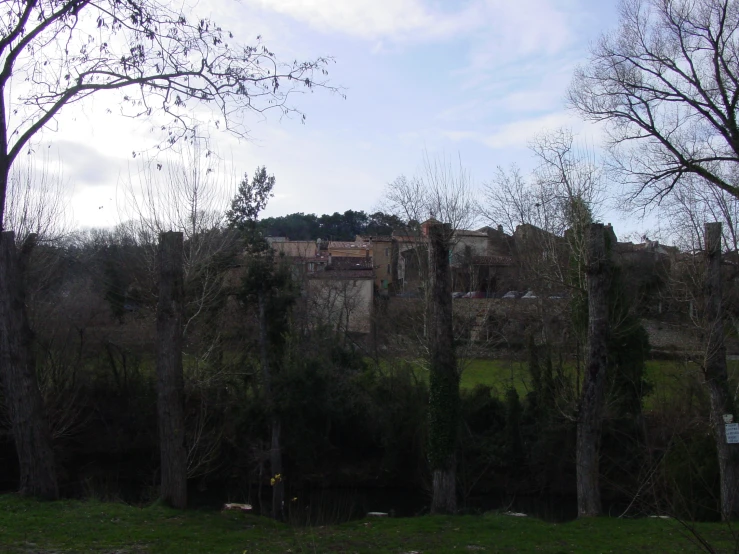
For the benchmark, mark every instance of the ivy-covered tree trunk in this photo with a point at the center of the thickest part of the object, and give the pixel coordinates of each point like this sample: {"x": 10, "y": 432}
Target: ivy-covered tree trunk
{"x": 590, "y": 412}
{"x": 170, "y": 380}
{"x": 716, "y": 376}
{"x": 17, "y": 374}
{"x": 444, "y": 403}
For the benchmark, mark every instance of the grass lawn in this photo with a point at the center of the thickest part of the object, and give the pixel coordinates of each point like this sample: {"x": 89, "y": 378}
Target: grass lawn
{"x": 666, "y": 376}
{"x": 70, "y": 526}
{"x": 498, "y": 374}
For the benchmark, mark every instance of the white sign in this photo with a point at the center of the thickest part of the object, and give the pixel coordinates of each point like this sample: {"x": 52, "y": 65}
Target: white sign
{"x": 728, "y": 418}
{"x": 732, "y": 433}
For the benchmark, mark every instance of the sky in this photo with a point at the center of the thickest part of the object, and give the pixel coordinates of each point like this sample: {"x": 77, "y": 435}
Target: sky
{"x": 468, "y": 80}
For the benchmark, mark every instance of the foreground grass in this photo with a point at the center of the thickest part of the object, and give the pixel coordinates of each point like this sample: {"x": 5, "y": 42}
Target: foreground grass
{"x": 68, "y": 526}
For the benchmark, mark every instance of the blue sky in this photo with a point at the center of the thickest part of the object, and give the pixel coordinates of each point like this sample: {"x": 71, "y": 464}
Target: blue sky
{"x": 474, "y": 79}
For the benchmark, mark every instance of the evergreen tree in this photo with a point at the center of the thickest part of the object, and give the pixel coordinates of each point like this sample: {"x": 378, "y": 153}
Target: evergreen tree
{"x": 250, "y": 200}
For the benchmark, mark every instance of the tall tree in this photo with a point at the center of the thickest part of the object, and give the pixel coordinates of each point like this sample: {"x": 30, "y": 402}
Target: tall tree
{"x": 441, "y": 196}
{"x": 170, "y": 381}
{"x": 20, "y": 389}
{"x": 666, "y": 84}
{"x": 590, "y": 412}
{"x": 444, "y": 402}
{"x": 716, "y": 375}
{"x": 268, "y": 286}
{"x": 54, "y": 53}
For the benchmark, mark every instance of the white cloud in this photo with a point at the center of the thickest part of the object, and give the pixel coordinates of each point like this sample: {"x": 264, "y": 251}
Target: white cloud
{"x": 517, "y": 133}
{"x": 523, "y": 27}
{"x": 376, "y": 19}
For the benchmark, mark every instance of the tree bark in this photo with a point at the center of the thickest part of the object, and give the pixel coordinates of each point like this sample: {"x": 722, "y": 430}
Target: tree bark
{"x": 590, "y": 412}
{"x": 275, "y": 459}
{"x": 443, "y": 378}
{"x": 275, "y": 450}
{"x": 716, "y": 376}
{"x": 17, "y": 373}
{"x": 170, "y": 380}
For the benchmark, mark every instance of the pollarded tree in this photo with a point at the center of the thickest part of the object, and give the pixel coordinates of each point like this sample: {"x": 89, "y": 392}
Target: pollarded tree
{"x": 442, "y": 197}
{"x": 54, "y": 53}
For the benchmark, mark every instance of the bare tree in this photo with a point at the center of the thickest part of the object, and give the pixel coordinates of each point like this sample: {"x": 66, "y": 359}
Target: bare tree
{"x": 555, "y": 205}
{"x": 55, "y": 53}
{"x": 666, "y": 84}
{"x": 189, "y": 194}
{"x": 37, "y": 201}
{"x": 510, "y": 200}
{"x": 690, "y": 206}
{"x": 441, "y": 190}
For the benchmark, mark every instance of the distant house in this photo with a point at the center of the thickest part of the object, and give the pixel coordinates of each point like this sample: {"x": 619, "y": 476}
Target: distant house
{"x": 480, "y": 260}
{"x": 306, "y": 256}
{"x": 384, "y": 259}
{"x": 342, "y": 299}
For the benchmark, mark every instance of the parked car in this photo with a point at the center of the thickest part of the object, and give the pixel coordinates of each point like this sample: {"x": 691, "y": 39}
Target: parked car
{"x": 475, "y": 294}
{"x": 511, "y": 294}
{"x": 457, "y": 295}
{"x": 529, "y": 294}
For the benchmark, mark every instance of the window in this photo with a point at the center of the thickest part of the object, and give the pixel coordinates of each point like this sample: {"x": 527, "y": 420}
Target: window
{"x": 388, "y": 269}
{"x": 387, "y": 252}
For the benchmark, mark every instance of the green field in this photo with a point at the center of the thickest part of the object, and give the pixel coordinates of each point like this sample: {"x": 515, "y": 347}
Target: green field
{"x": 500, "y": 375}
{"x": 68, "y": 526}
{"x": 665, "y": 376}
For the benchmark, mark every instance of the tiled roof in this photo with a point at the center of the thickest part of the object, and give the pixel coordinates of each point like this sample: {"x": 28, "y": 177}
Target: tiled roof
{"x": 350, "y": 244}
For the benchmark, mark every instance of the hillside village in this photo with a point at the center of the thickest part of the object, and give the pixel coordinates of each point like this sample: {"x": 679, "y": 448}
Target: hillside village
{"x": 489, "y": 268}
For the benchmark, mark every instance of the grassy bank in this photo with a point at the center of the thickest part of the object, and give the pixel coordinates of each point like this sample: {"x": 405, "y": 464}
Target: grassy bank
{"x": 67, "y": 526}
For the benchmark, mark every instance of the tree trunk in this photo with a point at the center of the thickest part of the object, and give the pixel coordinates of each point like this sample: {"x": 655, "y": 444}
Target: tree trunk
{"x": 716, "y": 376}
{"x": 443, "y": 378}
{"x": 591, "y": 400}
{"x": 170, "y": 381}
{"x": 275, "y": 458}
{"x": 17, "y": 373}
{"x": 275, "y": 450}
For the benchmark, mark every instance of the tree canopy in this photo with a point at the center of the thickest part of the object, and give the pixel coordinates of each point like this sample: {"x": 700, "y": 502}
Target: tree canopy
{"x": 666, "y": 84}
{"x": 58, "y": 52}
{"x": 336, "y": 226}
